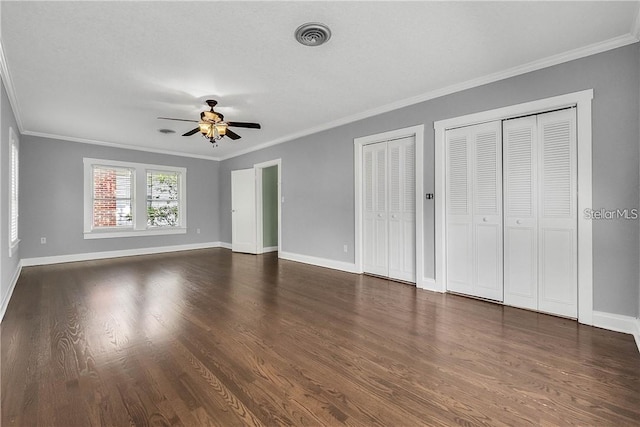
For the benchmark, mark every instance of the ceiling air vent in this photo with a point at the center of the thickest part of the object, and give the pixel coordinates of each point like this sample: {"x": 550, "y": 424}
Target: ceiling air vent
{"x": 313, "y": 34}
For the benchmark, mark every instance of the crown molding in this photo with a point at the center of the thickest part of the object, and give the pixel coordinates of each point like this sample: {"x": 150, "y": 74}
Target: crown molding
{"x": 571, "y": 55}
{"x": 117, "y": 145}
{"x": 8, "y": 85}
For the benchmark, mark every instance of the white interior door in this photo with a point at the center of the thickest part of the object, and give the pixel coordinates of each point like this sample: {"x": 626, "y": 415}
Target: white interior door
{"x": 558, "y": 222}
{"x": 474, "y": 210}
{"x": 520, "y": 212}
{"x": 243, "y": 211}
{"x": 402, "y": 208}
{"x": 376, "y": 258}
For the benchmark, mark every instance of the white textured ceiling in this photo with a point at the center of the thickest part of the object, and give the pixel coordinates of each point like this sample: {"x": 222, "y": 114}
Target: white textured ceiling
{"x": 104, "y": 71}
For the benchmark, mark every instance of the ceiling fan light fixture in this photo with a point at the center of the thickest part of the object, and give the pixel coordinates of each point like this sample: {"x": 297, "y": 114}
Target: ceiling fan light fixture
{"x": 213, "y": 131}
{"x": 204, "y": 127}
{"x": 221, "y": 128}
{"x": 313, "y": 34}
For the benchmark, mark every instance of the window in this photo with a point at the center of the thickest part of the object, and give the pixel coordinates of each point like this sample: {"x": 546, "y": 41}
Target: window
{"x": 112, "y": 197}
{"x": 13, "y": 190}
{"x": 133, "y": 199}
{"x": 163, "y": 200}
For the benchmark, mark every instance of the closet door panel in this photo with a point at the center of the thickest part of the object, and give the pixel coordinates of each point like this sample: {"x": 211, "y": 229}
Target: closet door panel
{"x": 459, "y": 233}
{"x": 375, "y": 210}
{"x": 487, "y": 210}
{"x": 520, "y": 212}
{"x": 488, "y": 261}
{"x": 557, "y": 275}
{"x": 401, "y": 203}
{"x": 558, "y": 284}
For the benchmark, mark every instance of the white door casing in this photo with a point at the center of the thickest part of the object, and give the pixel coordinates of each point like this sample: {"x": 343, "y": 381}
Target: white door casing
{"x": 243, "y": 211}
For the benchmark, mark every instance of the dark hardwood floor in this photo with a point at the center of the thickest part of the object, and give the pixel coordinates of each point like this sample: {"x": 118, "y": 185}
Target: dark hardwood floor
{"x": 209, "y": 337}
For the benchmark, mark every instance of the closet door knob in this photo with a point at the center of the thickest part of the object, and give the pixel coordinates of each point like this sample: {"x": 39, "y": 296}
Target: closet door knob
{"x": 393, "y": 216}
{"x": 518, "y": 221}
{"x": 380, "y": 215}
{"x": 485, "y": 219}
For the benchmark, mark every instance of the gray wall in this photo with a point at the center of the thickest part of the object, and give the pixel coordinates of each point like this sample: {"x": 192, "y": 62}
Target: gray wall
{"x": 51, "y": 202}
{"x": 318, "y": 175}
{"x": 270, "y": 206}
{"x": 8, "y": 265}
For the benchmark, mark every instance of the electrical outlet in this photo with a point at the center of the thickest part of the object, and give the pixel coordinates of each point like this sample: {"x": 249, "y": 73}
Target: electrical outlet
{"x": 345, "y": 248}
{"x": 43, "y": 240}
{"x": 197, "y": 230}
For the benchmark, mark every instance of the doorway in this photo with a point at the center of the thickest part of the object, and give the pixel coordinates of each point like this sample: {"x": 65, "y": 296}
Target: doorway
{"x": 268, "y": 206}
{"x": 255, "y": 206}
{"x": 416, "y": 134}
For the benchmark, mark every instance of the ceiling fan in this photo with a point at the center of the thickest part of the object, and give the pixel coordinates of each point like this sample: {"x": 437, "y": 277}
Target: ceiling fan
{"x": 212, "y": 125}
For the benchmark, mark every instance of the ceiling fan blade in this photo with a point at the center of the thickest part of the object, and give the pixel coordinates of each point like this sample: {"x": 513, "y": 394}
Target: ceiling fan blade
{"x": 244, "y": 125}
{"x": 231, "y": 134}
{"x": 191, "y": 132}
{"x": 179, "y": 120}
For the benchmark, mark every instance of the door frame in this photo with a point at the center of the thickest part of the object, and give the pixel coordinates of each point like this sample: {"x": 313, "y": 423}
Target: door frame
{"x": 418, "y": 133}
{"x": 582, "y": 100}
{"x": 259, "y": 219}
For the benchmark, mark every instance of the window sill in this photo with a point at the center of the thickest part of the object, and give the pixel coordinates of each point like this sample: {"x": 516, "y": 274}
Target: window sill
{"x": 133, "y": 233}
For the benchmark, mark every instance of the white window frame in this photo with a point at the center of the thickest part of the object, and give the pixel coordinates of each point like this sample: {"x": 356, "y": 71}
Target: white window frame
{"x": 14, "y": 176}
{"x": 139, "y": 200}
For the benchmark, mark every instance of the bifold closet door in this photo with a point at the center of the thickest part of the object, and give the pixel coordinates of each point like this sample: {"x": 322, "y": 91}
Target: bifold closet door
{"x": 521, "y": 212}
{"x": 402, "y": 209}
{"x": 541, "y": 213}
{"x": 389, "y": 209}
{"x": 375, "y": 244}
{"x": 474, "y": 210}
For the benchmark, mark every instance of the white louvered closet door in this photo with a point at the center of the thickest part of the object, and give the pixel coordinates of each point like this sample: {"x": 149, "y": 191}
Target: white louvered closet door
{"x": 474, "y": 210}
{"x": 389, "y": 209}
{"x": 402, "y": 209}
{"x": 557, "y": 221}
{"x": 520, "y": 213}
{"x": 540, "y": 261}
{"x": 375, "y": 244}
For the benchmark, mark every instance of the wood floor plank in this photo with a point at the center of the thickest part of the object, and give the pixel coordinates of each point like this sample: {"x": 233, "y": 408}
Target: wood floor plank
{"x": 210, "y": 337}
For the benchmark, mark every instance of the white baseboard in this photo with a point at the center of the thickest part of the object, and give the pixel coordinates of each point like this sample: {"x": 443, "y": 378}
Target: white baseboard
{"x": 6, "y": 298}
{"x": 320, "y": 262}
{"x": 26, "y": 262}
{"x": 618, "y": 323}
{"x": 429, "y": 284}
{"x": 225, "y": 245}
{"x": 269, "y": 249}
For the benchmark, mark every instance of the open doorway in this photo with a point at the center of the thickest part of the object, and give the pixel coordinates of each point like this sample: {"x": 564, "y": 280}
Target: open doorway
{"x": 268, "y": 197}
